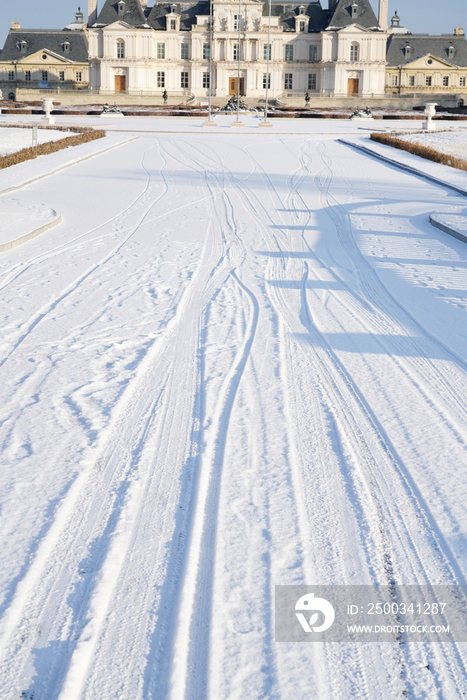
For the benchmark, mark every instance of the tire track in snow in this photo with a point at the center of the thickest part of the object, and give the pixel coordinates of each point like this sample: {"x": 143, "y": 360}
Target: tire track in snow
{"x": 77, "y": 513}
{"x": 446, "y": 569}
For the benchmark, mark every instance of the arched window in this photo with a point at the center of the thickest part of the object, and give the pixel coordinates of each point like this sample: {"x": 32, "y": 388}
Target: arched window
{"x": 120, "y": 48}
{"x": 354, "y": 51}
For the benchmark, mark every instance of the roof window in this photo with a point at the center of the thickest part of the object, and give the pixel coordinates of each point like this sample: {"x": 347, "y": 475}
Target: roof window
{"x": 354, "y": 9}
{"x": 451, "y": 51}
{"x": 121, "y": 8}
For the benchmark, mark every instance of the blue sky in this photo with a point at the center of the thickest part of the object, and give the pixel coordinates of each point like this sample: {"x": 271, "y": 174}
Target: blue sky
{"x": 420, "y": 16}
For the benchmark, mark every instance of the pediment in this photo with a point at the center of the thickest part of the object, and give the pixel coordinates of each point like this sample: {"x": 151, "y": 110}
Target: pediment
{"x": 429, "y": 62}
{"x": 118, "y": 26}
{"x": 352, "y": 28}
{"x": 52, "y": 58}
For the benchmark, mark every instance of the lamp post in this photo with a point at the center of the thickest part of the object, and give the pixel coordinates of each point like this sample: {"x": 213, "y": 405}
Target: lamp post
{"x": 210, "y": 121}
{"x": 265, "y": 121}
{"x": 238, "y": 122}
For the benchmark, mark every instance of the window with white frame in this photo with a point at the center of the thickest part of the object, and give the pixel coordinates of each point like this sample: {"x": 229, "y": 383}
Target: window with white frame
{"x": 184, "y": 52}
{"x": 45, "y": 75}
{"x": 160, "y": 50}
{"x": 79, "y": 77}
{"x": 236, "y": 52}
{"x": 288, "y": 81}
{"x": 120, "y": 49}
{"x": 394, "y": 80}
{"x": 445, "y": 81}
{"x": 462, "y": 81}
{"x": 27, "y": 75}
{"x": 266, "y": 78}
{"x": 206, "y": 52}
{"x": 428, "y": 81}
{"x": 11, "y": 75}
{"x": 265, "y": 52}
{"x": 301, "y": 26}
{"x": 354, "y": 52}
{"x": 184, "y": 79}
{"x": 289, "y": 52}
{"x": 236, "y": 23}
{"x": 205, "y": 80}
{"x": 313, "y": 55}
{"x": 173, "y": 24}
{"x": 312, "y": 81}
{"x": 160, "y": 79}
{"x": 411, "y": 80}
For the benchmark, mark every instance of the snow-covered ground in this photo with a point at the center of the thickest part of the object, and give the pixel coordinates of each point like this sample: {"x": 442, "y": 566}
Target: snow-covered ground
{"x": 13, "y": 140}
{"x": 453, "y": 143}
{"x": 239, "y": 361}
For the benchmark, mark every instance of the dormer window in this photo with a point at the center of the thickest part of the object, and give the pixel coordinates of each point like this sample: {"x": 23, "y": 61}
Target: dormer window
{"x": 407, "y": 50}
{"x": 66, "y": 45}
{"x": 121, "y": 8}
{"x": 354, "y": 10}
{"x": 301, "y": 10}
{"x": 451, "y": 51}
{"x": 22, "y": 45}
{"x": 301, "y": 26}
{"x": 173, "y": 8}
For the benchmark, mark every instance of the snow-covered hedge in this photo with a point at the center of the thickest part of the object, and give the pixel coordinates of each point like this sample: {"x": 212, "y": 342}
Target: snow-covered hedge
{"x": 418, "y": 149}
{"x": 83, "y": 135}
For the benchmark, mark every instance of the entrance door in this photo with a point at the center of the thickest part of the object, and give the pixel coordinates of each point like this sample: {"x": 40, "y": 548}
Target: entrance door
{"x": 352, "y": 86}
{"x": 233, "y": 86}
{"x": 120, "y": 83}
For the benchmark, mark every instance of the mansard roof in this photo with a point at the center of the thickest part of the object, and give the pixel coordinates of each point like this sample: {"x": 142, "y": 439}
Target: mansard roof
{"x": 318, "y": 18}
{"x": 133, "y": 13}
{"x": 45, "y": 39}
{"x": 422, "y": 45}
{"x": 342, "y": 15}
{"x": 186, "y": 10}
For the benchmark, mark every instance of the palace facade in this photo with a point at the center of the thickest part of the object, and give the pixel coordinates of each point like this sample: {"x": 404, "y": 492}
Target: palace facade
{"x": 129, "y": 50}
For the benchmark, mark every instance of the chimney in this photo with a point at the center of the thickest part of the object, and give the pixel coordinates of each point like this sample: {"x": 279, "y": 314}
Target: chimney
{"x": 92, "y": 12}
{"x": 383, "y": 14}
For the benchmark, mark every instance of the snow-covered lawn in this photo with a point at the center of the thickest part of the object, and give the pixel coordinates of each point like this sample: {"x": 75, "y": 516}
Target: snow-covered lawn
{"x": 13, "y": 140}
{"x": 239, "y": 361}
{"x": 452, "y": 143}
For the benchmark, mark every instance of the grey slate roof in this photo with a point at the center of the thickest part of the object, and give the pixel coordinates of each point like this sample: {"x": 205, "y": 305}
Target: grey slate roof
{"x": 421, "y": 45}
{"x": 39, "y": 40}
{"x": 319, "y": 18}
{"x": 133, "y": 14}
{"x": 342, "y": 15}
{"x": 186, "y": 10}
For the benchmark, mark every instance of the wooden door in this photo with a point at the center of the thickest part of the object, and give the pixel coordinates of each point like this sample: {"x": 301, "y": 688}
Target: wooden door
{"x": 233, "y": 86}
{"x": 352, "y": 86}
{"x": 120, "y": 83}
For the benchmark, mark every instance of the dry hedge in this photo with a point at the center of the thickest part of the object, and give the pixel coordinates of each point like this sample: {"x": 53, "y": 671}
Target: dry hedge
{"x": 418, "y": 149}
{"x": 82, "y": 136}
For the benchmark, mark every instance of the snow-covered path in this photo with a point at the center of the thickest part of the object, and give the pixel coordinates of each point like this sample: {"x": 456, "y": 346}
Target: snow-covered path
{"x": 237, "y": 362}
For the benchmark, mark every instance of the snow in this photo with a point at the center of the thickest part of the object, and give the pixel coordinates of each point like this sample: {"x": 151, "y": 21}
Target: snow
{"x": 452, "y": 143}
{"x": 238, "y": 361}
{"x": 12, "y": 140}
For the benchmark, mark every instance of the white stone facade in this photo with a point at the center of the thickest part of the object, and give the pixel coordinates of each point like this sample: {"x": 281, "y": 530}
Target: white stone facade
{"x": 142, "y": 60}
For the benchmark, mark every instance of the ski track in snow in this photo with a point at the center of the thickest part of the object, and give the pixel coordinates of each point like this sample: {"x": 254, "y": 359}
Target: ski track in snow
{"x": 219, "y": 429}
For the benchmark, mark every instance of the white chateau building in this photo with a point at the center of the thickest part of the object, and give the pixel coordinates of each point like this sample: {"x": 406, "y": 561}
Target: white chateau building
{"x": 338, "y": 51}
